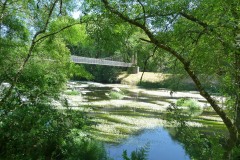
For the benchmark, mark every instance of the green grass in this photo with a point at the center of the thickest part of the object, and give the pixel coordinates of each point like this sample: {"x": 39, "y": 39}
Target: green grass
{"x": 72, "y": 93}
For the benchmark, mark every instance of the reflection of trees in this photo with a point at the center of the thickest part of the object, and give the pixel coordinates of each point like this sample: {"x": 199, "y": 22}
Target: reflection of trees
{"x": 198, "y": 145}
{"x": 201, "y": 143}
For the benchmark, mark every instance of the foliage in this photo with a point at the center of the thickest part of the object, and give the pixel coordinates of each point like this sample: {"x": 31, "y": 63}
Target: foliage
{"x": 192, "y": 104}
{"x": 103, "y": 74}
{"x": 138, "y": 154}
{"x": 201, "y": 45}
{"x": 198, "y": 145}
{"x": 236, "y": 153}
{"x": 197, "y": 142}
{"x": 36, "y": 131}
{"x": 35, "y": 63}
{"x": 81, "y": 147}
{"x": 116, "y": 95}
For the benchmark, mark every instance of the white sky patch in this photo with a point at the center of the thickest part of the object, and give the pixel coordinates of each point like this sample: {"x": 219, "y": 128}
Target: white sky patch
{"x": 76, "y": 14}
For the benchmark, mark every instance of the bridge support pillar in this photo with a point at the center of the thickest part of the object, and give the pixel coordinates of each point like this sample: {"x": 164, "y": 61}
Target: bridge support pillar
{"x": 133, "y": 70}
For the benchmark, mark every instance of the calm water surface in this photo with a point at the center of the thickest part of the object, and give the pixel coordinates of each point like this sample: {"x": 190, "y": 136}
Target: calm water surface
{"x": 161, "y": 146}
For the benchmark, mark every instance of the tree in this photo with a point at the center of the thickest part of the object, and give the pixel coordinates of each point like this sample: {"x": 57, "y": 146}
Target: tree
{"x": 35, "y": 66}
{"x": 33, "y": 49}
{"x": 201, "y": 35}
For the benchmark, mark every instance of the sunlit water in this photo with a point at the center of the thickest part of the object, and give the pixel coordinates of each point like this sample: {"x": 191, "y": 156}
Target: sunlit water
{"x": 158, "y": 141}
{"x": 160, "y": 144}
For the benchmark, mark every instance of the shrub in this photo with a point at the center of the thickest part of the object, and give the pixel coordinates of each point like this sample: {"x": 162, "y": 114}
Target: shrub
{"x": 82, "y": 147}
{"x": 42, "y": 132}
{"x": 116, "y": 95}
{"x": 191, "y": 105}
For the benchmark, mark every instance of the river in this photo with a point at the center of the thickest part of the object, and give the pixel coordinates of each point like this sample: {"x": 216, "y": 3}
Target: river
{"x": 129, "y": 117}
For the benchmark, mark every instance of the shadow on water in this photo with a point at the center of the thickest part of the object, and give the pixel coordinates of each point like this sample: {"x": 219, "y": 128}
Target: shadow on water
{"x": 159, "y": 142}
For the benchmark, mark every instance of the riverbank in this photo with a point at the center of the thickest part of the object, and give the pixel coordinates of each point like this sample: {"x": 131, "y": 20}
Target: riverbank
{"x": 174, "y": 82}
{"x": 134, "y": 79}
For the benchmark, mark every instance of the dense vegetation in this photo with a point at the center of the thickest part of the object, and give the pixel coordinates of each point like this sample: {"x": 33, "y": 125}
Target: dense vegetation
{"x": 35, "y": 66}
{"x": 195, "y": 38}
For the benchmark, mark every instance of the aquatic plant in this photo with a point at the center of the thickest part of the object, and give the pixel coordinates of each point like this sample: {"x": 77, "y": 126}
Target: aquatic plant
{"x": 192, "y": 104}
{"x": 116, "y": 95}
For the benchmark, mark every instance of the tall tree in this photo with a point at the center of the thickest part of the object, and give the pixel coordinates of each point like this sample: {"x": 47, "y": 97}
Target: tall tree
{"x": 201, "y": 35}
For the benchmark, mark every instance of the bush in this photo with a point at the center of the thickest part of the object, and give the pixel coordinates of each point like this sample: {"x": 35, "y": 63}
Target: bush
{"x": 82, "y": 147}
{"x": 42, "y": 132}
{"x": 190, "y": 104}
{"x": 115, "y": 95}
{"x": 103, "y": 74}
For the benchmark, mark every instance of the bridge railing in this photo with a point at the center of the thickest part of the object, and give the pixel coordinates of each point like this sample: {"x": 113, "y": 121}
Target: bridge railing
{"x": 86, "y": 60}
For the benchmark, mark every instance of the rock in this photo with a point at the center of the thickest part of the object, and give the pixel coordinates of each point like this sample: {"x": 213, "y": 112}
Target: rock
{"x": 115, "y": 89}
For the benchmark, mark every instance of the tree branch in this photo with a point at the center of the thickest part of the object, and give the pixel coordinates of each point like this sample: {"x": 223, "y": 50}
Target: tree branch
{"x": 194, "y": 19}
{"x": 227, "y": 121}
{"x": 144, "y": 12}
{"x": 205, "y": 26}
{"x": 146, "y": 61}
{"x": 53, "y": 33}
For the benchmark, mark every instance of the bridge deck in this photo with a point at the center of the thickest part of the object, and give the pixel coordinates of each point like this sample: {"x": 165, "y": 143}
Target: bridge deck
{"x": 85, "y": 60}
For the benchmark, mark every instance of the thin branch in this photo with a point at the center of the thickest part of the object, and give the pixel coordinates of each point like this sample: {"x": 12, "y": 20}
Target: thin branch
{"x": 153, "y": 15}
{"x": 205, "y": 26}
{"x": 56, "y": 32}
{"x": 144, "y": 12}
{"x": 146, "y": 61}
{"x": 47, "y": 22}
{"x": 194, "y": 19}
{"x": 2, "y": 11}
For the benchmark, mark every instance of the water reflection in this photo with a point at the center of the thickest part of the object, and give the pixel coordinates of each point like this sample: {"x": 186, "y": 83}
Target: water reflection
{"x": 161, "y": 146}
{"x": 140, "y": 109}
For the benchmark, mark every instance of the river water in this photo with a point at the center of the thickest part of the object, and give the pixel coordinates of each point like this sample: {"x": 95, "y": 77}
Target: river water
{"x": 160, "y": 144}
